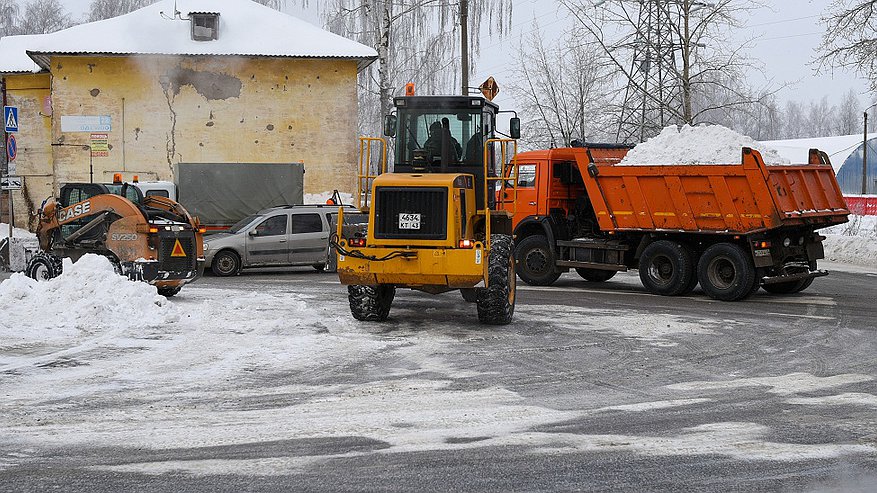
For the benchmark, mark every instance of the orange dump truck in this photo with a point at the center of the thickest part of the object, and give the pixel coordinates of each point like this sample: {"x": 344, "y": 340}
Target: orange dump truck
{"x": 731, "y": 228}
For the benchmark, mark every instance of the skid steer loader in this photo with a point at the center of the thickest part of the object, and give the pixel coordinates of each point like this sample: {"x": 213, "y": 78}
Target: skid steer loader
{"x": 151, "y": 239}
{"x": 433, "y": 225}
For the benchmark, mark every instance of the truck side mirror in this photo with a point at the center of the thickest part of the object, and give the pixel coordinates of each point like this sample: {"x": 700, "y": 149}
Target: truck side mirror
{"x": 390, "y": 125}
{"x": 515, "y": 128}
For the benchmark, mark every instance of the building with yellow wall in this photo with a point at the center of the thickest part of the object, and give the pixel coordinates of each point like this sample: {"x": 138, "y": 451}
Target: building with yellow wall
{"x": 185, "y": 81}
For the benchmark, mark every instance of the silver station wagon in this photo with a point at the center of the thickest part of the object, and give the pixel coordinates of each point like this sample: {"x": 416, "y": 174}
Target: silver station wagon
{"x": 279, "y": 236}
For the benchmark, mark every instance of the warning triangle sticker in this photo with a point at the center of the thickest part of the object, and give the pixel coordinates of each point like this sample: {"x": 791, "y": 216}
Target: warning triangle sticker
{"x": 178, "y": 250}
{"x": 10, "y": 121}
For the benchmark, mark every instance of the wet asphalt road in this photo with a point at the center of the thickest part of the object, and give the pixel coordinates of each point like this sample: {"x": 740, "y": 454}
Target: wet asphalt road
{"x": 641, "y": 393}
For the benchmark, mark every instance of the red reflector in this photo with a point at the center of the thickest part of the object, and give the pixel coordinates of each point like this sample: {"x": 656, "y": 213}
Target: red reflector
{"x": 762, "y": 244}
{"x": 356, "y": 242}
{"x": 467, "y": 244}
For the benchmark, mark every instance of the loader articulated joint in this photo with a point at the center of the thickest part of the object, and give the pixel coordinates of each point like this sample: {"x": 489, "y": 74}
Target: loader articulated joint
{"x": 333, "y": 241}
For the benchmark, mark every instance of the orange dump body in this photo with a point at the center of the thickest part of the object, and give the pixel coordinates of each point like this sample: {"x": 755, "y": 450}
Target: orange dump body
{"x": 734, "y": 198}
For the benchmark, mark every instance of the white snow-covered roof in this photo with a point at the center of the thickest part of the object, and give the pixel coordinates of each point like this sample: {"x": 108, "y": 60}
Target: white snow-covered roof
{"x": 838, "y": 148}
{"x": 13, "y": 54}
{"x": 245, "y": 28}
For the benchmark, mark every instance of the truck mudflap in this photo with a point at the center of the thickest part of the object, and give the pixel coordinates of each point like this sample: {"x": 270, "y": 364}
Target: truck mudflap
{"x": 794, "y": 271}
{"x": 150, "y": 271}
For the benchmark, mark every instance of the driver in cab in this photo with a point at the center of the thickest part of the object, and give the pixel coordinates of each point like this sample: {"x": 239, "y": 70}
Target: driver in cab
{"x": 433, "y": 145}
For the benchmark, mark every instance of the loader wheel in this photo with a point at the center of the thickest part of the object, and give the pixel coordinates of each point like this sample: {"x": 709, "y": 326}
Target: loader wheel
{"x": 371, "y": 303}
{"x": 535, "y": 261}
{"x": 226, "y": 264}
{"x": 496, "y": 302}
{"x": 666, "y": 268}
{"x": 168, "y": 291}
{"x": 43, "y": 266}
{"x": 596, "y": 275}
{"x": 726, "y": 273}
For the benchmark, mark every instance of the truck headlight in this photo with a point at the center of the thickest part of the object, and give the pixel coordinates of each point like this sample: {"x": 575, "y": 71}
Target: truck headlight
{"x": 787, "y": 242}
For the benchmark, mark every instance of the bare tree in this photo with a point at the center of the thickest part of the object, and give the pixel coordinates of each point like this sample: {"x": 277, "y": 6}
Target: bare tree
{"x": 275, "y": 4}
{"x": 43, "y": 17}
{"x": 795, "y": 125}
{"x": 669, "y": 54}
{"x": 848, "y": 118}
{"x": 416, "y": 40}
{"x": 8, "y": 16}
{"x": 564, "y": 91}
{"x": 850, "y": 39}
{"x": 106, "y": 9}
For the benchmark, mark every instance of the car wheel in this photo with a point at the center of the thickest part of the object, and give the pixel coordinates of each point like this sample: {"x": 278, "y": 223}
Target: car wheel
{"x": 319, "y": 267}
{"x": 226, "y": 263}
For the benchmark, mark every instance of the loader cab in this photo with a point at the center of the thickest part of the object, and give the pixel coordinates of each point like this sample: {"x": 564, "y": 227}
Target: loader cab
{"x": 73, "y": 193}
{"x": 443, "y": 134}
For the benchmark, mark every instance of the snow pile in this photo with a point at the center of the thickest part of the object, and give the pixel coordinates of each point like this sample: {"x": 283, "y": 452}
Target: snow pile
{"x": 321, "y": 198}
{"x": 854, "y": 242}
{"x": 88, "y": 295}
{"x": 16, "y": 232}
{"x": 704, "y": 144}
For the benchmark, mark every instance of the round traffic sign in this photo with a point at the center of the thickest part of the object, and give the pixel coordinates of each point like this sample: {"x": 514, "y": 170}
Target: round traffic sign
{"x": 11, "y": 147}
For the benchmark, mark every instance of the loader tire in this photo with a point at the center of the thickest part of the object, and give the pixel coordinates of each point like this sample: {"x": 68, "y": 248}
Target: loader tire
{"x": 535, "y": 261}
{"x": 371, "y": 303}
{"x": 496, "y": 302}
{"x": 44, "y": 266}
{"x": 726, "y": 272}
{"x": 168, "y": 291}
{"x": 666, "y": 268}
{"x": 596, "y": 275}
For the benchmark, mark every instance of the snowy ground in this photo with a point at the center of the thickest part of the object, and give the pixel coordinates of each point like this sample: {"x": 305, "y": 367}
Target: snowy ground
{"x": 132, "y": 383}
{"x": 852, "y": 243}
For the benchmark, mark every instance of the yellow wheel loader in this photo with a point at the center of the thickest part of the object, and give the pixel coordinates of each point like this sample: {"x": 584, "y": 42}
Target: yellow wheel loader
{"x": 151, "y": 239}
{"x": 433, "y": 223}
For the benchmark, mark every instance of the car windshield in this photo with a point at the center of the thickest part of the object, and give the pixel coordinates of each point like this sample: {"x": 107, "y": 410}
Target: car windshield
{"x": 242, "y": 223}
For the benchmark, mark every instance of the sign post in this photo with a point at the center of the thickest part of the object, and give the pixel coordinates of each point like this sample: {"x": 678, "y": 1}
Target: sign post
{"x": 10, "y": 120}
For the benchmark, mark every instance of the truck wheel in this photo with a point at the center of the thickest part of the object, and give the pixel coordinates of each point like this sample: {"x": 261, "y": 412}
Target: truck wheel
{"x": 596, "y": 275}
{"x": 371, "y": 303}
{"x": 496, "y": 303}
{"x": 168, "y": 291}
{"x": 666, "y": 268}
{"x": 43, "y": 266}
{"x": 535, "y": 261}
{"x": 226, "y": 263}
{"x": 726, "y": 273}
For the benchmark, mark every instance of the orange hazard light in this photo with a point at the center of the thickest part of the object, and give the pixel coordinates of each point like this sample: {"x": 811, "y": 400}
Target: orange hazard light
{"x": 178, "y": 250}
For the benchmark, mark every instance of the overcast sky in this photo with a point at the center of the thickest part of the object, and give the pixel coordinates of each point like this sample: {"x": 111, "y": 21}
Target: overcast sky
{"x": 787, "y": 32}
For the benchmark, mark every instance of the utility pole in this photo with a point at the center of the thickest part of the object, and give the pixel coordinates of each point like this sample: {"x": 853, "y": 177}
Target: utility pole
{"x": 6, "y": 166}
{"x": 865, "y": 157}
{"x": 464, "y": 44}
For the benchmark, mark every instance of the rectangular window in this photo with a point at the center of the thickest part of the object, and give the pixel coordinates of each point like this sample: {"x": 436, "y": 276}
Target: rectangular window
{"x": 204, "y": 26}
{"x": 306, "y": 223}
{"x": 526, "y": 176}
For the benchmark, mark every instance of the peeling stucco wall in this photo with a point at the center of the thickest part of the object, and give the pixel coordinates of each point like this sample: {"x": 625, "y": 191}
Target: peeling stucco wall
{"x": 31, "y": 94}
{"x": 167, "y": 110}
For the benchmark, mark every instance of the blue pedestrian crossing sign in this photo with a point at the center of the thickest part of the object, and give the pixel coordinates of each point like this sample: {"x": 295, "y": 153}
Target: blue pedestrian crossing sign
{"x": 10, "y": 116}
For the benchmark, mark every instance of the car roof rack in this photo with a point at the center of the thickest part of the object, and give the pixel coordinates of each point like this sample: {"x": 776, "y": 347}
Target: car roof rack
{"x": 292, "y": 206}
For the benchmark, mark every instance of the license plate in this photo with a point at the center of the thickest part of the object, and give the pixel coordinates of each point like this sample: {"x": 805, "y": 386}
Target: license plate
{"x": 409, "y": 221}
